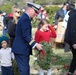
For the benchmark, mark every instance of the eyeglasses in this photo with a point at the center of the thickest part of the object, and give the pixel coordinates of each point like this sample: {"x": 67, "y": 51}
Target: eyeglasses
{"x": 17, "y": 12}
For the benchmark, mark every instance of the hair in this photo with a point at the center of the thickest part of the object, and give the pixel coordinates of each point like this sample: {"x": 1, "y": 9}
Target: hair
{"x": 14, "y": 9}
{"x": 65, "y": 3}
{"x": 71, "y": 7}
{"x": 42, "y": 22}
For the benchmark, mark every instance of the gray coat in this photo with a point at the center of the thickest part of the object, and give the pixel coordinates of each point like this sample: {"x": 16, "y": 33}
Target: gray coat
{"x": 59, "y": 14}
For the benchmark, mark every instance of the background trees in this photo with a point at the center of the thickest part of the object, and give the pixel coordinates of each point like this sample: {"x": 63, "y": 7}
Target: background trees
{"x": 43, "y": 2}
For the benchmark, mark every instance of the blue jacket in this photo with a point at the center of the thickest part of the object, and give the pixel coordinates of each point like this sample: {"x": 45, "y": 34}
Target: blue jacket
{"x": 59, "y": 14}
{"x": 23, "y": 42}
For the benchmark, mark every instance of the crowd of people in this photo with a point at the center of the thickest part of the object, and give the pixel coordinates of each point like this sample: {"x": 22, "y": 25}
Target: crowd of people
{"x": 18, "y": 27}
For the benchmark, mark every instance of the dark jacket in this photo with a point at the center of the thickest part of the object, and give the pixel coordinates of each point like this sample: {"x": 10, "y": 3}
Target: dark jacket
{"x": 11, "y": 30}
{"x": 23, "y": 42}
{"x": 6, "y": 20}
{"x": 72, "y": 12}
{"x": 59, "y": 14}
{"x": 70, "y": 34}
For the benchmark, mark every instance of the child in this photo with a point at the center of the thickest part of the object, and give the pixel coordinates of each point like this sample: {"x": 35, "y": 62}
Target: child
{"x": 45, "y": 31}
{"x": 5, "y": 57}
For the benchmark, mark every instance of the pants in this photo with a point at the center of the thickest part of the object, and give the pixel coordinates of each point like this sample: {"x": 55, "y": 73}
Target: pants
{"x": 23, "y": 64}
{"x": 4, "y": 32}
{"x": 7, "y": 70}
{"x": 73, "y": 62}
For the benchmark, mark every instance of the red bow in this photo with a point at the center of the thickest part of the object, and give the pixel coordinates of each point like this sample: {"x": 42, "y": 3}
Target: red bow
{"x": 42, "y": 52}
{"x": 65, "y": 66}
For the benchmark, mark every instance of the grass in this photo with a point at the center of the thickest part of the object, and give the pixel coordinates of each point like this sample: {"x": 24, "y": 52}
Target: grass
{"x": 65, "y": 56}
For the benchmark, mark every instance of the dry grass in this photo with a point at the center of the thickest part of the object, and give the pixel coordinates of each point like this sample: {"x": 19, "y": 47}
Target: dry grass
{"x": 55, "y": 71}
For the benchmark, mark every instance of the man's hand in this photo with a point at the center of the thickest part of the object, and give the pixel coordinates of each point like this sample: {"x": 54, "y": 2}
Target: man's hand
{"x": 74, "y": 46}
{"x": 39, "y": 46}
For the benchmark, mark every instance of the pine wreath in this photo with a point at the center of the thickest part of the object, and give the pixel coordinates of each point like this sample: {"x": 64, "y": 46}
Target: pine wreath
{"x": 44, "y": 57}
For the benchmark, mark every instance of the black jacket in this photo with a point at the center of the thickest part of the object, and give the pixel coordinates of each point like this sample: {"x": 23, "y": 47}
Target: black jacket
{"x": 11, "y": 28}
{"x": 70, "y": 35}
{"x": 6, "y": 20}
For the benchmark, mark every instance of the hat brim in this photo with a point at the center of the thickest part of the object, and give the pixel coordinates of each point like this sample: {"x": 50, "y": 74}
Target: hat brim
{"x": 34, "y": 6}
{"x": 36, "y": 11}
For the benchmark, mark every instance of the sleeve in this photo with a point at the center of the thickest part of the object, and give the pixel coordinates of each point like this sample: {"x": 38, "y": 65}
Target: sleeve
{"x": 37, "y": 37}
{"x": 26, "y": 32}
{"x": 11, "y": 28}
{"x": 52, "y": 32}
{"x": 56, "y": 18}
{"x": 13, "y": 57}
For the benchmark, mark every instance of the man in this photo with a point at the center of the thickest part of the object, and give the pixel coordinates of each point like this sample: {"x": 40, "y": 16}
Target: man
{"x": 4, "y": 31}
{"x": 71, "y": 8}
{"x": 61, "y": 14}
{"x": 23, "y": 43}
{"x": 70, "y": 38}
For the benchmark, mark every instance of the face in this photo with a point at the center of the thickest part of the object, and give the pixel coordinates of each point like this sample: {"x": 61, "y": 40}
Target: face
{"x": 4, "y": 44}
{"x": 66, "y": 6}
{"x": 45, "y": 27}
{"x": 32, "y": 13}
{"x": 17, "y": 13}
{"x": 44, "y": 12}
